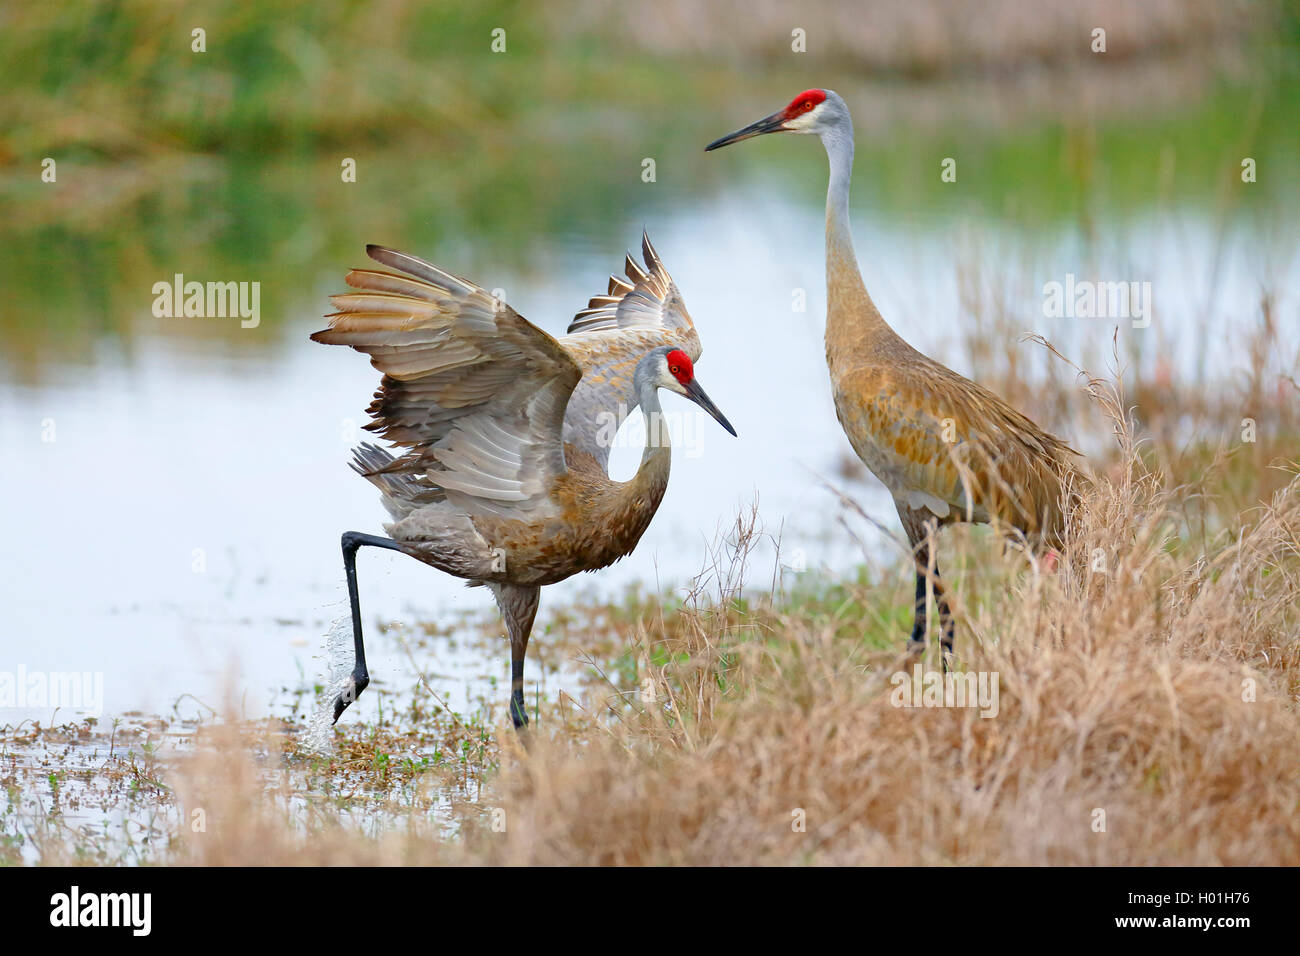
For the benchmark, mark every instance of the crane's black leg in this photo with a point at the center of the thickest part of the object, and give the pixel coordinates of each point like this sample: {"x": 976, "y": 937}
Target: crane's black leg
{"x": 920, "y": 533}
{"x": 518, "y": 706}
{"x": 946, "y": 626}
{"x": 917, "y": 644}
{"x": 519, "y": 608}
{"x": 352, "y": 540}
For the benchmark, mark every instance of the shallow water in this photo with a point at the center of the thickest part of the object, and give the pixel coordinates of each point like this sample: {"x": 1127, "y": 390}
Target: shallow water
{"x": 174, "y": 499}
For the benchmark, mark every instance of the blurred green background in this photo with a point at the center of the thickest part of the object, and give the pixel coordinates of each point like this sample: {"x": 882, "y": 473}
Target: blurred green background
{"x": 230, "y": 158}
{"x": 522, "y": 169}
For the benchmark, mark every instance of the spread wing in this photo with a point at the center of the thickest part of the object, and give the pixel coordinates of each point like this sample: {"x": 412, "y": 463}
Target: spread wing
{"x": 642, "y": 312}
{"x": 472, "y": 391}
{"x": 647, "y": 299}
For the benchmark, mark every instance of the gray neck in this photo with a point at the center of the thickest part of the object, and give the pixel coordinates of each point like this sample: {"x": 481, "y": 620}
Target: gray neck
{"x": 838, "y": 141}
{"x": 656, "y": 429}
{"x": 851, "y": 317}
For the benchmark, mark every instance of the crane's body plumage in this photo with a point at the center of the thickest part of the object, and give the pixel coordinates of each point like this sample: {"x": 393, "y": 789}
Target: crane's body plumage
{"x": 507, "y": 430}
{"x": 503, "y": 431}
{"x": 947, "y": 449}
{"x": 593, "y": 522}
{"x": 945, "y": 446}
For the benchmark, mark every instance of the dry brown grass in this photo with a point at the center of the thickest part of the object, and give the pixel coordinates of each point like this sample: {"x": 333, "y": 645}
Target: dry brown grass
{"x": 1120, "y": 690}
{"x": 928, "y": 37}
{"x": 1153, "y": 677}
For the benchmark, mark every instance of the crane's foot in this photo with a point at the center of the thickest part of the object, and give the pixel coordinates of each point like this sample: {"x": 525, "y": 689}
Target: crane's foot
{"x": 519, "y": 717}
{"x": 357, "y": 681}
{"x": 518, "y": 711}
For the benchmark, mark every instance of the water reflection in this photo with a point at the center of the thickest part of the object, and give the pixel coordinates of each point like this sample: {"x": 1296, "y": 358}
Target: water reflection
{"x": 174, "y": 488}
{"x": 185, "y": 515}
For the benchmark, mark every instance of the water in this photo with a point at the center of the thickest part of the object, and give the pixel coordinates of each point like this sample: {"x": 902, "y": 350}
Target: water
{"x": 174, "y": 500}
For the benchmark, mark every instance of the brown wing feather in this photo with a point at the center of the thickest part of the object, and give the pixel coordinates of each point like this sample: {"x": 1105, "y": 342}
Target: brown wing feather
{"x": 942, "y": 442}
{"x": 608, "y": 338}
{"x": 647, "y": 299}
{"x": 473, "y": 390}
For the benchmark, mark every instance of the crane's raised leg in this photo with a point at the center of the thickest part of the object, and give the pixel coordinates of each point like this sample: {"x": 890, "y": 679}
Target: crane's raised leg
{"x": 352, "y": 540}
{"x": 920, "y": 533}
{"x": 519, "y": 608}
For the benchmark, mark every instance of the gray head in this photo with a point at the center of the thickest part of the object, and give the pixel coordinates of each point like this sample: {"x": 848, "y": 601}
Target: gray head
{"x": 671, "y": 368}
{"x": 813, "y": 111}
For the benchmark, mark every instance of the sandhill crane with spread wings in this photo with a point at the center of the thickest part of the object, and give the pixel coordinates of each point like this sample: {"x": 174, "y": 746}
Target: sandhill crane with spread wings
{"x": 504, "y": 432}
{"x": 947, "y": 449}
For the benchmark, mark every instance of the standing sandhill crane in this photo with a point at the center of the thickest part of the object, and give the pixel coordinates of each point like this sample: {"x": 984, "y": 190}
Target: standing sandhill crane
{"x": 947, "y": 449}
{"x": 507, "y": 431}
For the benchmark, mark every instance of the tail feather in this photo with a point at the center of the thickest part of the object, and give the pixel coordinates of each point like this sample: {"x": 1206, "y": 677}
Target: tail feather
{"x": 403, "y": 492}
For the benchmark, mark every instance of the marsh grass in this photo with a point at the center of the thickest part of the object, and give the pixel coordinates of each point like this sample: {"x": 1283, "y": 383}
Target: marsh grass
{"x": 1153, "y": 676}
{"x": 1149, "y": 682}
{"x": 229, "y": 161}
{"x": 1156, "y": 684}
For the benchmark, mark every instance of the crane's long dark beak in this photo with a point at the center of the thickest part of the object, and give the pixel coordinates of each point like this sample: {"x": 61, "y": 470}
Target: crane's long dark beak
{"x": 769, "y": 124}
{"x": 698, "y": 396}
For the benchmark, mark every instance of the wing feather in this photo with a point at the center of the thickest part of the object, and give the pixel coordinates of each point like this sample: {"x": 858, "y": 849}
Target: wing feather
{"x": 473, "y": 391}
{"x": 648, "y": 298}
{"x": 642, "y": 312}
{"x": 946, "y": 444}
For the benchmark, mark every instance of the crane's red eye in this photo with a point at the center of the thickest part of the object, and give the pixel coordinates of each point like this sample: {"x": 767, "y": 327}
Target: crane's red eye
{"x": 805, "y": 101}
{"x": 679, "y": 366}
